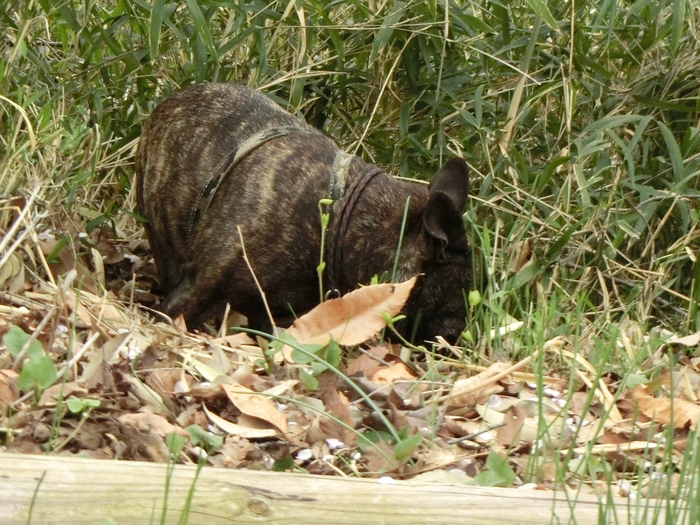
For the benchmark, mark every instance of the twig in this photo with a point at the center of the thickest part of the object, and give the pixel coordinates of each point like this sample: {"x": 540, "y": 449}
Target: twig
{"x": 257, "y": 283}
{"x": 474, "y": 434}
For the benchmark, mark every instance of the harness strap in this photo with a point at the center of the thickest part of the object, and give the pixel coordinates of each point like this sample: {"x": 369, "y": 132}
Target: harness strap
{"x": 339, "y": 175}
{"x": 206, "y": 196}
{"x": 339, "y": 227}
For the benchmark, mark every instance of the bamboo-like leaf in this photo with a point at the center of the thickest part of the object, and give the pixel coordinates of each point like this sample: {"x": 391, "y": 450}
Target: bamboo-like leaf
{"x": 674, "y": 151}
{"x": 156, "y": 23}
{"x": 541, "y": 10}
{"x": 677, "y": 22}
{"x": 202, "y": 27}
{"x": 384, "y": 34}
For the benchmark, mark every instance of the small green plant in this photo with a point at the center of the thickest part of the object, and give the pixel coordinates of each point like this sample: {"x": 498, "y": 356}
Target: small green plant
{"x": 323, "y": 206}
{"x": 81, "y": 405}
{"x": 38, "y": 371}
{"x": 204, "y": 444}
{"x": 498, "y": 473}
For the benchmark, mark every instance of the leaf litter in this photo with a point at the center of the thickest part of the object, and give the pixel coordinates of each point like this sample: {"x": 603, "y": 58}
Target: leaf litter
{"x": 108, "y": 380}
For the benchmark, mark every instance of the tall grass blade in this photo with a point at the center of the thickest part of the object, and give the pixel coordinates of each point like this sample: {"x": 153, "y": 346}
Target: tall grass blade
{"x": 157, "y": 15}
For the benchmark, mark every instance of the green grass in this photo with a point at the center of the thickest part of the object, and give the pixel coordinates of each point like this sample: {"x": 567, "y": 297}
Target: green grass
{"x": 579, "y": 122}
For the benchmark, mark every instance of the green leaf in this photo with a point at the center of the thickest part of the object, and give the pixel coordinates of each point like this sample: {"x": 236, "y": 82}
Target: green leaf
{"x": 540, "y": 8}
{"x": 175, "y": 443}
{"x": 16, "y": 338}
{"x": 498, "y": 473}
{"x": 78, "y": 405}
{"x": 610, "y": 122}
{"x": 157, "y": 15}
{"x": 333, "y": 353}
{"x": 282, "y": 464}
{"x": 202, "y": 27}
{"x": 384, "y": 34}
{"x": 488, "y": 478}
{"x": 310, "y": 382}
{"x": 405, "y": 447}
{"x": 37, "y": 373}
{"x": 633, "y": 380}
{"x": 526, "y": 274}
{"x": 674, "y": 151}
{"x": 677, "y": 23}
{"x": 474, "y": 298}
{"x": 317, "y": 367}
{"x": 203, "y": 438}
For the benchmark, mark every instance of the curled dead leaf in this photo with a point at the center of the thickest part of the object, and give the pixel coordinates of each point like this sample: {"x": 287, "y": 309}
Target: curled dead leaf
{"x": 238, "y": 430}
{"x": 9, "y": 390}
{"x": 477, "y": 389}
{"x": 12, "y": 273}
{"x": 256, "y": 405}
{"x": 146, "y": 421}
{"x": 353, "y": 318}
{"x": 388, "y": 374}
{"x": 688, "y": 340}
{"x": 677, "y": 411}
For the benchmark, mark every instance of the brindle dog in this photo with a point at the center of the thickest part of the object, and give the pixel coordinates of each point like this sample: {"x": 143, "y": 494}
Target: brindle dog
{"x": 216, "y": 157}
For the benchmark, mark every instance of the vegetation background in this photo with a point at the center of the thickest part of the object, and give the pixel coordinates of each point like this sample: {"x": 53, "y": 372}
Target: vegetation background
{"x": 579, "y": 120}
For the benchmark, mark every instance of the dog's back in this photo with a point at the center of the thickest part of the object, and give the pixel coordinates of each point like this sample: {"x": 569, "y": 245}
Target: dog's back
{"x": 186, "y": 142}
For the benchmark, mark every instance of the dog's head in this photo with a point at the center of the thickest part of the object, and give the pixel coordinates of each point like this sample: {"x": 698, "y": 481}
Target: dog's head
{"x": 437, "y": 304}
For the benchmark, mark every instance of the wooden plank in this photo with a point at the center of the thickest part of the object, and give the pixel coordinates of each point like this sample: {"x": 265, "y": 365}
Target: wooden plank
{"x": 80, "y": 491}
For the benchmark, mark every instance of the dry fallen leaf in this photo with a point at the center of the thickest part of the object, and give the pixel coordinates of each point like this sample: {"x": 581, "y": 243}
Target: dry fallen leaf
{"x": 234, "y": 340}
{"x": 520, "y": 255}
{"x": 477, "y": 389}
{"x": 369, "y": 362}
{"x": 12, "y": 273}
{"x": 256, "y": 405}
{"x": 146, "y": 421}
{"x": 677, "y": 411}
{"x": 353, "y": 318}
{"x": 688, "y": 340}
{"x": 9, "y": 391}
{"x": 238, "y": 430}
{"x": 388, "y": 374}
{"x": 515, "y": 419}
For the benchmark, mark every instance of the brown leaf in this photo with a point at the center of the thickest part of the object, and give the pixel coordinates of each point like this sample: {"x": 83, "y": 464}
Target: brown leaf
{"x": 149, "y": 431}
{"x": 461, "y": 426}
{"x": 9, "y": 391}
{"x": 234, "y": 340}
{"x": 337, "y": 404}
{"x": 368, "y": 363}
{"x": 239, "y": 430}
{"x": 381, "y": 461}
{"x": 51, "y": 395}
{"x": 678, "y": 411}
{"x": 509, "y": 434}
{"x": 256, "y": 405}
{"x": 477, "y": 389}
{"x": 353, "y": 318}
{"x": 520, "y": 255}
{"x": 389, "y": 374}
{"x": 179, "y": 324}
{"x": 232, "y": 453}
{"x": 145, "y": 421}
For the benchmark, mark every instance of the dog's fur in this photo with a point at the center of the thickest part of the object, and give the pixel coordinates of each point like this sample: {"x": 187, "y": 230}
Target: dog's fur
{"x": 273, "y": 195}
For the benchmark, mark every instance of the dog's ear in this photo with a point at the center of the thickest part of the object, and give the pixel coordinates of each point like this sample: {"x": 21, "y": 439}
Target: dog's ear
{"x": 452, "y": 179}
{"x": 442, "y": 217}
